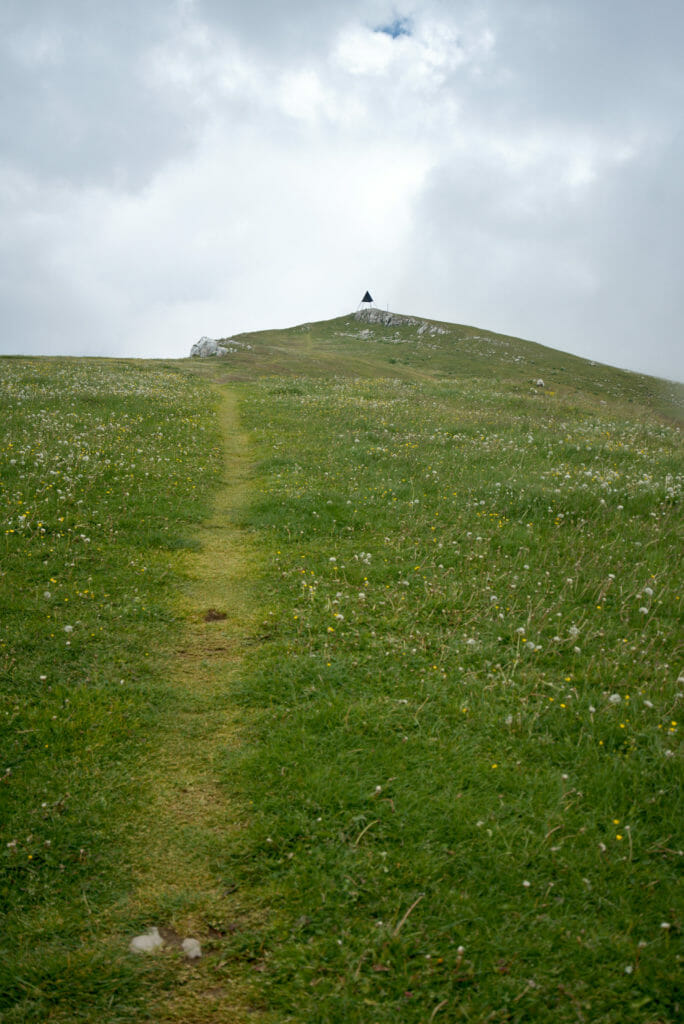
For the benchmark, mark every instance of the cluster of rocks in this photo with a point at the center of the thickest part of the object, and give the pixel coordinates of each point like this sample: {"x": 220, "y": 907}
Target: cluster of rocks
{"x": 371, "y": 315}
{"x": 152, "y": 940}
{"x": 431, "y": 329}
{"x": 210, "y": 347}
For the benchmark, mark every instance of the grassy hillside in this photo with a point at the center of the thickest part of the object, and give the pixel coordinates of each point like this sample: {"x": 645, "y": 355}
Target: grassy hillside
{"x": 456, "y": 711}
{"x": 349, "y": 346}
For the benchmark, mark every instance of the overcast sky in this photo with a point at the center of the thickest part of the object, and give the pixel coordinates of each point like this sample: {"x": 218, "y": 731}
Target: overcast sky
{"x": 174, "y": 169}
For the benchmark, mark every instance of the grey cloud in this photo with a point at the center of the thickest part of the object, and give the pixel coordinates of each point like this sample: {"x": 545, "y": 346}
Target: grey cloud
{"x": 166, "y": 166}
{"x": 596, "y": 272}
{"x": 75, "y": 101}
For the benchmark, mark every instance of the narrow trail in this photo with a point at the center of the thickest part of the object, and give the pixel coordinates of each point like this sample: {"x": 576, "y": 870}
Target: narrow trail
{"x": 181, "y": 884}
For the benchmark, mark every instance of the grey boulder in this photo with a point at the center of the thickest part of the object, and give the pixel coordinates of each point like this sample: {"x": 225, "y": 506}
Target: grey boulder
{"x": 208, "y": 347}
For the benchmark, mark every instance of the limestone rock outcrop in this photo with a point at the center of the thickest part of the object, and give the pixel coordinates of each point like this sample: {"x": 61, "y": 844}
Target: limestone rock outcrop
{"x": 379, "y": 316}
{"x": 371, "y": 315}
{"x": 207, "y": 347}
{"x": 210, "y": 347}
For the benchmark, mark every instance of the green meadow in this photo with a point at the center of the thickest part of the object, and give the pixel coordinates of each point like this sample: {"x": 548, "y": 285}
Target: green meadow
{"x": 355, "y": 655}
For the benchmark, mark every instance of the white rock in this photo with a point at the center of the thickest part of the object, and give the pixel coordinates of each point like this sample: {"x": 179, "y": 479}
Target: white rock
{"x": 210, "y": 347}
{"x": 146, "y": 943}
{"x": 206, "y": 347}
{"x": 192, "y": 949}
{"x": 379, "y": 316}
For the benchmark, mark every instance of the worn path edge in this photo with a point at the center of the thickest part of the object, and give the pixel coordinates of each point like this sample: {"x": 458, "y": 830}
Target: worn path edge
{"x": 180, "y": 881}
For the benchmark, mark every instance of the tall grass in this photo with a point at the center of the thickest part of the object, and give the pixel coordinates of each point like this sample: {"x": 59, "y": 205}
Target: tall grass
{"x": 104, "y": 467}
{"x": 465, "y": 799}
{"x": 460, "y": 719}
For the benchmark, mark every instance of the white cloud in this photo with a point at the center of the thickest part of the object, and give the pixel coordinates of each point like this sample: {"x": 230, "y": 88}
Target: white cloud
{"x": 361, "y": 51}
{"x": 230, "y": 167}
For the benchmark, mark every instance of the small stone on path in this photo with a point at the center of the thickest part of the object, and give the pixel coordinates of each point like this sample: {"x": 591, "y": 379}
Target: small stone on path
{"x": 148, "y": 943}
{"x": 192, "y": 949}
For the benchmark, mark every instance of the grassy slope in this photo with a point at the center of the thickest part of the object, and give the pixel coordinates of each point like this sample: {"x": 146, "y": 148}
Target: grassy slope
{"x": 440, "y": 460}
{"x": 337, "y": 347}
{"x": 107, "y": 467}
{"x": 467, "y": 703}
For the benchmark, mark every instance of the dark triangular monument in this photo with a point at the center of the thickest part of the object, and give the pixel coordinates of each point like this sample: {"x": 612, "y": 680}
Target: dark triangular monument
{"x": 367, "y": 298}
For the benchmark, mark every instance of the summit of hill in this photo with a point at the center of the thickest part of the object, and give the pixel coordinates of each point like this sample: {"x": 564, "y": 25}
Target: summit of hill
{"x": 372, "y": 342}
